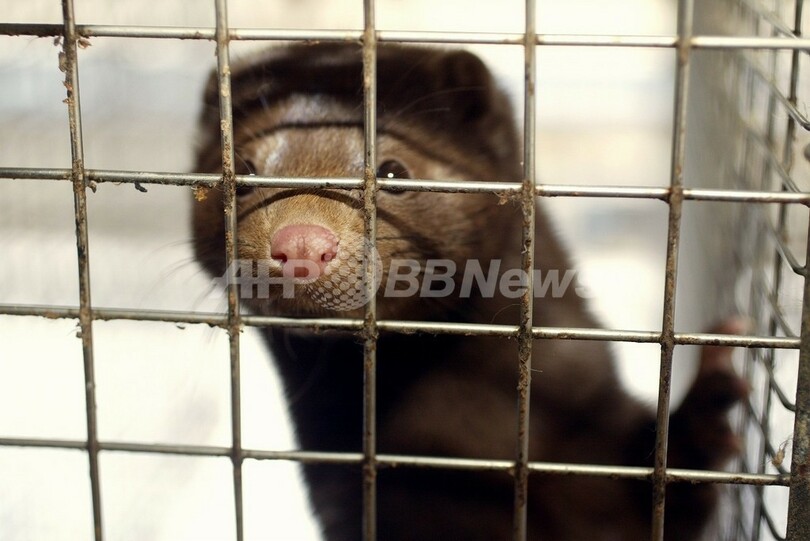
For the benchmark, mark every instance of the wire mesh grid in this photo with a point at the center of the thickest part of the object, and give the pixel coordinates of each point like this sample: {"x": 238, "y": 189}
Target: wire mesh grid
{"x": 754, "y": 85}
{"x": 760, "y": 93}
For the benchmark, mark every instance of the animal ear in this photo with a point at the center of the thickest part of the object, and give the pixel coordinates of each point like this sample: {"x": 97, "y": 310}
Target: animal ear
{"x": 466, "y": 74}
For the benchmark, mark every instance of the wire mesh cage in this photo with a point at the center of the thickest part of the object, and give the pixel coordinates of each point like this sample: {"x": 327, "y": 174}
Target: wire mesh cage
{"x": 751, "y": 106}
{"x": 739, "y": 71}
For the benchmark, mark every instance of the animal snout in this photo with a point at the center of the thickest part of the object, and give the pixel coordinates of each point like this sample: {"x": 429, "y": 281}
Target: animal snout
{"x": 303, "y": 250}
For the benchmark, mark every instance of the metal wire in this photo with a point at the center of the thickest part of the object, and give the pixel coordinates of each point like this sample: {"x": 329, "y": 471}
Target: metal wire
{"x": 798, "y": 524}
{"x": 524, "y": 336}
{"x": 482, "y": 38}
{"x": 406, "y": 327}
{"x": 69, "y": 64}
{"x": 513, "y": 189}
{"x": 399, "y": 461}
{"x": 685, "y": 9}
{"x": 234, "y": 325}
{"x": 761, "y": 162}
{"x": 370, "y": 333}
{"x": 782, "y": 37}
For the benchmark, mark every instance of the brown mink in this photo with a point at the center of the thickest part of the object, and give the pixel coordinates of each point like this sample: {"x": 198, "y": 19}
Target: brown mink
{"x": 298, "y": 113}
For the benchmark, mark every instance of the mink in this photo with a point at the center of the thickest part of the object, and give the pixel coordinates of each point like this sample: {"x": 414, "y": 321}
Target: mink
{"x": 298, "y": 112}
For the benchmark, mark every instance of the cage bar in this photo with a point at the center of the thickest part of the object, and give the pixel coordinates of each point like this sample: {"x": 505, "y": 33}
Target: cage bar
{"x": 69, "y": 64}
{"x": 405, "y": 327}
{"x": 525, "y": 336}
{"x": 512, "y": 189}
{"x": 685, "y": 14}
{"x": 410, "y": 461}
{"x": 228, "y": 183}
{"x": 784, "y": 255}
{"x": 798, "y": 524}
{"x": 370, "y": 332}
{"x": 479, "y": 38}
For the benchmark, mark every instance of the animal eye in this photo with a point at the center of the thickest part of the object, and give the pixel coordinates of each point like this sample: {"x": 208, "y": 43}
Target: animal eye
{"x": 245, "y": 167}
{"x": 242, "y": 191}
{"x": 392, "y": 169}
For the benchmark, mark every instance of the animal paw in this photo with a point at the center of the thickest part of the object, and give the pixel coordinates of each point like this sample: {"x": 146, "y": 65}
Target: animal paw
{"x": 700, "y": 433}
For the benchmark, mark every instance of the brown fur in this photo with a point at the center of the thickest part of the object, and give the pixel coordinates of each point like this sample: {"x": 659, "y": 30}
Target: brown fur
{"x": 298, "y": 113}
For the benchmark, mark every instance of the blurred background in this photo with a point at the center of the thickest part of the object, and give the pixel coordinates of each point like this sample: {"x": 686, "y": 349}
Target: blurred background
{"x": 604, "y": 117}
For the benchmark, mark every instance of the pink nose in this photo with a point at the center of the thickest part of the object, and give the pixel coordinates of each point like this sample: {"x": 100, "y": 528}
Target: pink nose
{"x": 303, "y": 250}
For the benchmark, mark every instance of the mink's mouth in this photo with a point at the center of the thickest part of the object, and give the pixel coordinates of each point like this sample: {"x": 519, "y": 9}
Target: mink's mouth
{"x": 334, "y": 293}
